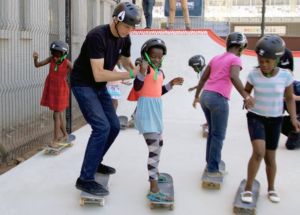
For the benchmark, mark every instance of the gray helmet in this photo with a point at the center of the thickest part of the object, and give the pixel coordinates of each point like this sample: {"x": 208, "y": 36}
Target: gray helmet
{"x": 128, "y": 13}
{"x": 197, "y": 60}
{"x": 153, "y": 42}
{"x": 270, "y": 46}
{"x": 60, "y": 46}
{"x": 137, "y": 61}
{"x": 236, "y": 38}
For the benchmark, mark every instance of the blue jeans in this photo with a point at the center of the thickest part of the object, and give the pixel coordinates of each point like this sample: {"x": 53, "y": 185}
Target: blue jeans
{"x": 148, "y": 7}
{"x": 216, "y": 110}
{"x": 98, "y": 110}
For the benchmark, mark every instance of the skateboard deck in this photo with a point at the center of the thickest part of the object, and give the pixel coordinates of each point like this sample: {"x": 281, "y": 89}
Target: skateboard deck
{"x": 123, "y": 122}
{"x": 238, "y": 205}
{"x": 168, "y": 189}
{"x": 90, "y": 198}
{"x": 213, "y": 182}
{"x": 204, "y": 130}
{"x": 50, "y": 150}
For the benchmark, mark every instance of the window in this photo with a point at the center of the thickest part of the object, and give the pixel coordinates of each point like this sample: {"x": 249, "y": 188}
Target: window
{"x": 22, "y": 23}
{"x": 217, "y": 2}
{"x": 243, "y": 2}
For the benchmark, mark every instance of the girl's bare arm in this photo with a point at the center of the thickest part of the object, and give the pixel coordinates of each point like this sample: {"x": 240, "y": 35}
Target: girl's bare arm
{"x": 70, "y": 65}
{"x": 42, "y": 63}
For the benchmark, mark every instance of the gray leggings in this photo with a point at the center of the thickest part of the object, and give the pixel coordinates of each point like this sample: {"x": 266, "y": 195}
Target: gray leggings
{"x": 155, "y": 143}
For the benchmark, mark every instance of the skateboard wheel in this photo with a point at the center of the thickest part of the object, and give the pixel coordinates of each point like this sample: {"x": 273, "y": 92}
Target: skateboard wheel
{"x": 219, "y": 186}
{"x": 125, "y": 127}
{"x": 57, "y": 153}
{"x": 81, "y": 201}
{"x": 46, "y": 151}
{"x": 204, "y": 184}
{"x": 172, "y": 207}
{"x": 235, "y": 210}
{"x": 70, "y": 145}
{"x": 152, "y": 206}
{"x": 254, "y": 212}
{"x": 102, "y": 203}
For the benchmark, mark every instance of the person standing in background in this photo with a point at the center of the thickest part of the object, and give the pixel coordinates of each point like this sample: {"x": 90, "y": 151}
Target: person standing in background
{"x": 148, "y": 7}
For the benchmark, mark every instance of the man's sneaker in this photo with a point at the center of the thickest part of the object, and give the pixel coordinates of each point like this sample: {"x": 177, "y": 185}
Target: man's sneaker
{"x": 187, "y": 27}
{"x": 223, "y": 172}
{"x": 106, "y": 170}
{"x": 170, "y": 27}
{"x": 91, "y": 187}
{"x": 147, "y": 27}
{"x": 215, "y": 174}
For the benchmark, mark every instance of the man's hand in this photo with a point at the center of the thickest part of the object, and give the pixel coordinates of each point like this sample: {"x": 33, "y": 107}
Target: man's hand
{"x": 136, "y": 70}
{"x": 144, "y": 66}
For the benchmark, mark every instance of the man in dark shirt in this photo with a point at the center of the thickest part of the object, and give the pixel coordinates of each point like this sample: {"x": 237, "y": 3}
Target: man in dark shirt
{"x": 100, "y": 52}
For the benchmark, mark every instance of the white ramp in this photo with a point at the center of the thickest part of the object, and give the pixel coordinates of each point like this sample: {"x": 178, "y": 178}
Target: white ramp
{"x": 44, "y": 184}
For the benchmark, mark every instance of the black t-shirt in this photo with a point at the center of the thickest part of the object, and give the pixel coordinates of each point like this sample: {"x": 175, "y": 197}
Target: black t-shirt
{"x": 287, "y": 60}
{"x": 99, "y": 43}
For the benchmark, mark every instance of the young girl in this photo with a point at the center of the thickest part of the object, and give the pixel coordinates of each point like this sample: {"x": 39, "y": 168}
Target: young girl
{"x": 113, "y": 87}
{"x": 270, "y": 85}
{"x": 222, "y": 72}
{"x": 56, "y": 89}
{"x": 149, "y": 83}
{"x": 197, "y": 62}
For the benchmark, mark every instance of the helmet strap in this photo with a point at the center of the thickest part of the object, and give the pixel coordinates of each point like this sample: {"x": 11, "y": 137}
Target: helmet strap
{"x": 60, "y": 61}
{"x": 116, "y": 27}
{"x": 155, "y": 67}
{"x": 198, "y": 72}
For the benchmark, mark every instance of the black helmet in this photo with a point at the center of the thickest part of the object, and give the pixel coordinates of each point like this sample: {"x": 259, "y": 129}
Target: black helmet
{"x": 137, "y": 61}
{"x": 197, "y": 60}
{"x": 270, "y": 46}
{"x": 236, "y": 38}
{"x": 153, "y": 42}
{"x": 60, "y": 46}
{"x": 128, "y": 13}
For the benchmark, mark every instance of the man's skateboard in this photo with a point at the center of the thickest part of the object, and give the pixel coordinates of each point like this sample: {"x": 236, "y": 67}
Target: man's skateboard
{"x": 204, "y": 130}
{"x": 123, "y": 122}
{"x": 50, "y": 150}
{"x": 90, "y": 198}
{"x": 168, "y": 189}
{"x": 238, "y": 205}
{"x": 214, "y": 182}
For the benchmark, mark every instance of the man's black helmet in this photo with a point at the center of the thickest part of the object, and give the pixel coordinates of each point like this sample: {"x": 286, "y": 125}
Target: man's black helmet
{"x": 197, "y": 60}
{"x": 137, "y": 61}
{"x": 270, "y": 46}
{"x": 60, "y": 46}
{"x": 151, "y": 43}
{"x": 236, "y": 38}
{"x": 128, "y": 13}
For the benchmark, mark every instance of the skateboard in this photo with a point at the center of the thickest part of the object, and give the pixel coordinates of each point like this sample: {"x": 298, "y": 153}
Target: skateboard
{"x": 204, "y": 130}
{"x": 168, "y": 189}
{"x": 213, "y": 182}
{"x": 238, "y": 205}
{"x": 123, "y": 122}
{"x": 90, "y": 198}
{"x": 50, "y": 150}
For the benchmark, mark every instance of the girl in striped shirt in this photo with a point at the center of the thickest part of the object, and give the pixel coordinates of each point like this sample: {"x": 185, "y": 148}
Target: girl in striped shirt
{"x": 270, "y": 84}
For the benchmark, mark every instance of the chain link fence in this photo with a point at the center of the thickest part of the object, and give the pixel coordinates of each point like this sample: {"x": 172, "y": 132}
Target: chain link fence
{"x": 27, "y": 26}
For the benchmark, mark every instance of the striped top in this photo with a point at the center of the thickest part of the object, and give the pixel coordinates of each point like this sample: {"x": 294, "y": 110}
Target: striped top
{"x": 269, "y": 92}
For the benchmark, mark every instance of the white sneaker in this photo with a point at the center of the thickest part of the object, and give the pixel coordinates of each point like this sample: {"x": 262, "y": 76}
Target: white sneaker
{"x": 274, "y": 199}
{"x": 246, "y": 199}
{"x": 223, "y": 172}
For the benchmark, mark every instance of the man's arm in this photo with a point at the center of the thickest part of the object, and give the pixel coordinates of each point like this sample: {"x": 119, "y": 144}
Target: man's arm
{"x": 102, "y": 75}
{"x": 127, "y": 63}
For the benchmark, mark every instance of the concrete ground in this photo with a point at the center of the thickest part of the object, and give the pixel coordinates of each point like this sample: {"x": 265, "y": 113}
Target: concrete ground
{"x": 44, "y": 184}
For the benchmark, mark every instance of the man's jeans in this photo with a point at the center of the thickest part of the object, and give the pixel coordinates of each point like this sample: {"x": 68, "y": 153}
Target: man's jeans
{"x": 148, "y": 7}
{"x": 216, "y": 110}
{"x": 98, "y": 110}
